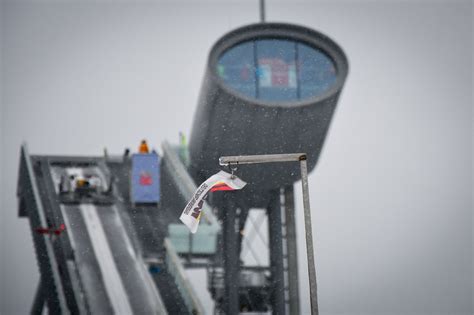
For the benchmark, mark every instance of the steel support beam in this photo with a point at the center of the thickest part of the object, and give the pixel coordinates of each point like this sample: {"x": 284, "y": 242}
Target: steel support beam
{"x": 276, "y": 254}
{"x": 264, "y": 158}
{"x": 291, "y": 250}
{"x": 231, "y": 256}
{"x": 309, "y": 239}
{"x": 40, "y": 300}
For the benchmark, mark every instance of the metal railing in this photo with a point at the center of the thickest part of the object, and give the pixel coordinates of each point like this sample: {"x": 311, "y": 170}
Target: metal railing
{"x": 176, "y": 270}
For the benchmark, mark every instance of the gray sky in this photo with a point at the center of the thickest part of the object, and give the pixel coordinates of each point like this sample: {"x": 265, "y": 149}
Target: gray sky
{"x": 392, "y": 194}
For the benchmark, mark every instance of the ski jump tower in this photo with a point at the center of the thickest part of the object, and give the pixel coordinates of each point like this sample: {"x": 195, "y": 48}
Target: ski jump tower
{"x": 269, "y": 88}
{"x": 106, "y": 228}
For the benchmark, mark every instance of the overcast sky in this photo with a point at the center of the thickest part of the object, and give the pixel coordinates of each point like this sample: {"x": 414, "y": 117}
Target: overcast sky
{"x": 392, "y": 193}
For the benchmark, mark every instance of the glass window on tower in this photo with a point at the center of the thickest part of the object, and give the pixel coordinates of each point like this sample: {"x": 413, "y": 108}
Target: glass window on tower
{"x": 317, "y": 72}
{"x": 237, "y": 68}
{"x": 277, "y": 70}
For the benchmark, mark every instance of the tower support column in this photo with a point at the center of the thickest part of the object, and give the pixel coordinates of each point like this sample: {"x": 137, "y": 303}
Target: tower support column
{"x": 276, "y": 254}
{"x": 231, "y": 255}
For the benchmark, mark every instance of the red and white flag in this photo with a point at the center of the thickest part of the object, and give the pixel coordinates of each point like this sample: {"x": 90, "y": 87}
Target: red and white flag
{"x": 221, "y": 181}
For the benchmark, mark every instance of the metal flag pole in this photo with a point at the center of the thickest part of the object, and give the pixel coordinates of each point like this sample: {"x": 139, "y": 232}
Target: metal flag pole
{"x": 262, "y": 11}
{"x": 292, "y": 157}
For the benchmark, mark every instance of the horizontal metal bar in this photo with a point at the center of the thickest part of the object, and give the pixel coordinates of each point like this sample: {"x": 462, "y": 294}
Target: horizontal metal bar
{"x": 265, "y": 158}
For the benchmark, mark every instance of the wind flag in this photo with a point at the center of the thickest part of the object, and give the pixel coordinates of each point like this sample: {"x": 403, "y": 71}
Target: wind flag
{"x": 221, "y": 181}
